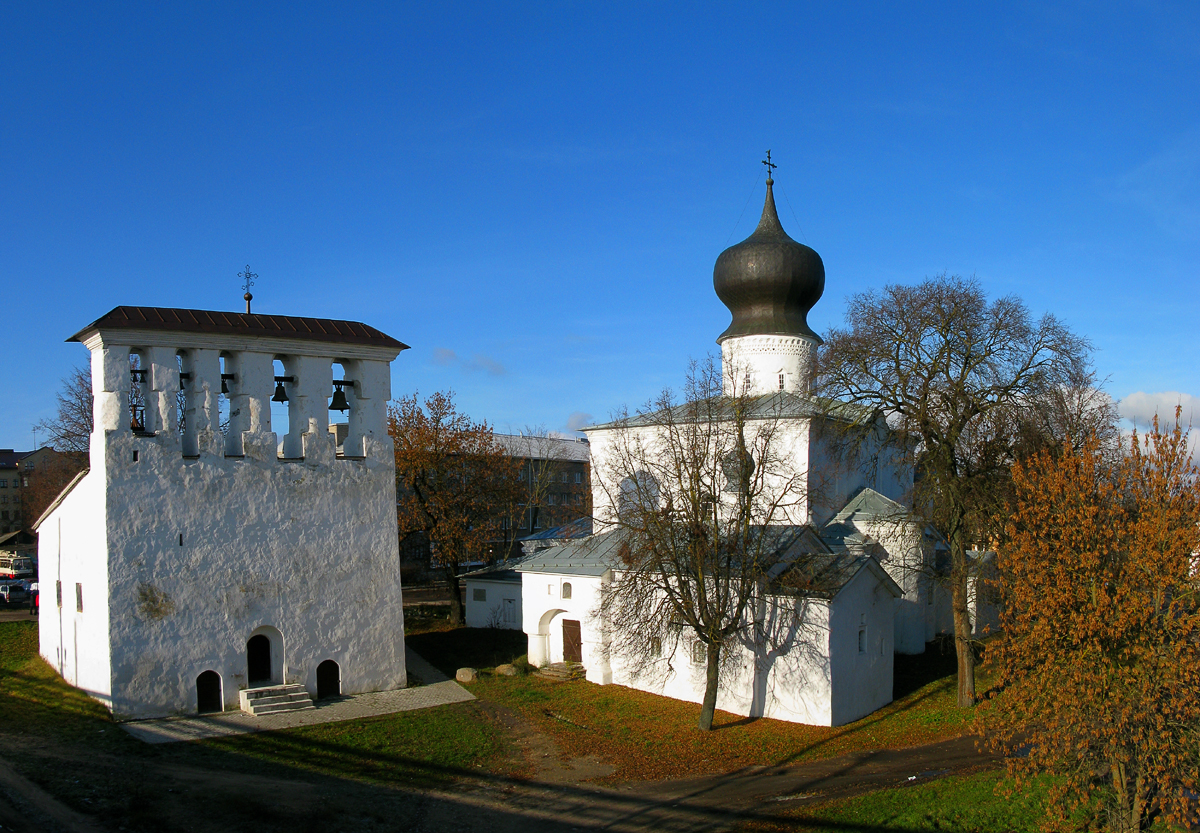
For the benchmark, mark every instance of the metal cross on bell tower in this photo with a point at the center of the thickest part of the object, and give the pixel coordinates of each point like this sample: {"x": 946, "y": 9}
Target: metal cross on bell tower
{"x": 248, "y": 281}
{"x": 771, "y": 166}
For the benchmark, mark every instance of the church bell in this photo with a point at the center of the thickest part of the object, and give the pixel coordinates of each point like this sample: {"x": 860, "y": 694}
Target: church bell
{"x": 280, "y": 393}
{"x": 339, "y": 402}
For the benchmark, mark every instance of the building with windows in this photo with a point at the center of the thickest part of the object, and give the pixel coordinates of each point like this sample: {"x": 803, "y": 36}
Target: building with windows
{"x": 214, "y": 555}
{"x": 556, "y": 475}
{"x": 11, "y": 492}
{"x": 851, "y": 580}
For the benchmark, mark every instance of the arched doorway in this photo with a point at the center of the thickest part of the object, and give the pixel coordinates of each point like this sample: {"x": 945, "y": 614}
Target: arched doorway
{"x": 329, "y": 680}
{"x": 208, "y": 693}
{"x": 258, "y": 659}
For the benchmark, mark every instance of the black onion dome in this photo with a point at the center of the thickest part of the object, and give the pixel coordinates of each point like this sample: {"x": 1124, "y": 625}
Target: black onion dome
{"x": 769, "y": 281}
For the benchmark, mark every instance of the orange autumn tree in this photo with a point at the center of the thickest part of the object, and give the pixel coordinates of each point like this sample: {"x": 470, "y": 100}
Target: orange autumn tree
{"x": 1099, "y": 658}
{"x": 454, "y": 483}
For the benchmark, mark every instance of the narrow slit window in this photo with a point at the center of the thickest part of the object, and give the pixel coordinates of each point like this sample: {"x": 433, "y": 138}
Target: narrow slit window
{"x": 79, "y": 597}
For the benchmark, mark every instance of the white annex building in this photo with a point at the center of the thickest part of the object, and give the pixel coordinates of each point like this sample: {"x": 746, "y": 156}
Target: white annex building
{"x": 866, "y": 589}
{"x": 199, "y": 567}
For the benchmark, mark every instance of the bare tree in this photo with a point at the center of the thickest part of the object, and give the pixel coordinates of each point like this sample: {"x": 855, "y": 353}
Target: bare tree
{"x": 70, "y": 429}
{"x": 957, "y": 377}
{"x": 700, "y": 491}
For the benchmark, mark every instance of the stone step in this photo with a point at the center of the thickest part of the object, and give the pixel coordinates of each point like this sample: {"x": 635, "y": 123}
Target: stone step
{"x": 272, "y": 699}
{"x": 276, "y": 708}
{"x": 562, "y": 671}
{"x": 274, "y": 690}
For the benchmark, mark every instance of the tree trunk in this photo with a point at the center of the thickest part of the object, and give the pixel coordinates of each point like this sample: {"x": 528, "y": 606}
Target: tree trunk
{"x": 959, "y": 571}
{"x": 456, "y": 604}
{"x": 710, "y": 688}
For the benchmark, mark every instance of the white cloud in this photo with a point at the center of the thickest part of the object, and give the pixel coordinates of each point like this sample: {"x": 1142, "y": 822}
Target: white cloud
{"x": 577, "y": 420}
{"x": 446, "y": 357}
{"x": 1140, "y": 408}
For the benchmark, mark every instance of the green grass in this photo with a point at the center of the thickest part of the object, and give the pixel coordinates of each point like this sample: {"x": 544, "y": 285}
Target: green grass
{"x": 68, "y": 744}
{"x": 648, "y": 737}
{"x": 425, "y": 748}
{"x": 970, "y": 804}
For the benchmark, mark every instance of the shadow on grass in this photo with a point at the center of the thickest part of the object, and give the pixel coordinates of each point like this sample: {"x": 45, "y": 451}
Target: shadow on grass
{"x": 450, "y": 650}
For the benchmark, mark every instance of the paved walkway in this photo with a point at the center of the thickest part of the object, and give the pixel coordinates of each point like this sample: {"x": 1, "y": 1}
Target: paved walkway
{"x": 436, "y": 690}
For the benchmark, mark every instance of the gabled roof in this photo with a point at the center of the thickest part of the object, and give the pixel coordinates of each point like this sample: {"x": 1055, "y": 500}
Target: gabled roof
{"x": 778, "y": 405}
{"x": 842, "y": 532}
{"x": 564, "y": 449}
{"x": 867, "y": 501}
{"x": 504, "y": 571}
{"x": 806, "y": 565}
{"x": 592, "y": 556}
{"x": 239, "y": 324}
{"x": 578, "y": 528}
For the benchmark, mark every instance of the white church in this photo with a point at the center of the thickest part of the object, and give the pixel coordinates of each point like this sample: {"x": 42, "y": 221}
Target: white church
{"x": 868, "y": 589}
{"x": 196, "y": 567}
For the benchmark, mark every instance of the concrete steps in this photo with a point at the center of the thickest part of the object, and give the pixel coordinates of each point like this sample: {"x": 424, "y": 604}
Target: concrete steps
{"x": 562, "y": 671}
{"x": 275, "y": 699}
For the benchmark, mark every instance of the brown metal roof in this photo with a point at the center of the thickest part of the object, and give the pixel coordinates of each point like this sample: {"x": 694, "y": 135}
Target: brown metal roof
{"x": 239, "y": 324}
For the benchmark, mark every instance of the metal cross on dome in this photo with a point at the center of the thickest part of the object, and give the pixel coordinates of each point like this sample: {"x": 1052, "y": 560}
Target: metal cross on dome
{"x": 771, "y": 166}
{"x": 248, "y": 276}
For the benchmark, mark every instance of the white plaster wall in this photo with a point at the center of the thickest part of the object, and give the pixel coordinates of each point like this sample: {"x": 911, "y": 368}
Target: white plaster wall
{"x": 790, "y": 445}
{"x": 909, "y": 561}
{"x": 862, "y": 682}
{"x": 752, "y": 364}
{"x": 70, "y": 551}
{"x": 544, "y": 609}
{"x": 783, "y": 674}
{"x": 491, "y": 610}
{"x": 205, "y": 551}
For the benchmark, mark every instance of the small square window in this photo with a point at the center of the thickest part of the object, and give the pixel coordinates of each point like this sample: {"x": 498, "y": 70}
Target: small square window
{"x": 479, "y": 594}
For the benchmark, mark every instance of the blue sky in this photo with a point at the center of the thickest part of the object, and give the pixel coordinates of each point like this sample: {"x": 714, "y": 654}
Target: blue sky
{"x": 533, "y": 197}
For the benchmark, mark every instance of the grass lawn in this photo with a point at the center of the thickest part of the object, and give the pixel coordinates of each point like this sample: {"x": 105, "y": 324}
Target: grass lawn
{"x": 968, "y": 804}
{"x": 648, "y": 737}
{"x": 66, "y": 743}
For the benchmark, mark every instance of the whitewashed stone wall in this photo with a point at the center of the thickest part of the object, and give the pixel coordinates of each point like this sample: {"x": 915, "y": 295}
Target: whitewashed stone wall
{"x": 753, "y": 364}
{"x": 803, "y": 665}
{"x": 543, "y": 612}
{"x": 500, "y": 606}
{"x": 197, "y": 541}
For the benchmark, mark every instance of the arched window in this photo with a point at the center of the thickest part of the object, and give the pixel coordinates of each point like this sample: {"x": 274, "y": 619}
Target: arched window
{"x": 185, "y": 405}
{"x": 258, "y": 659}
{"x": 208, "y": 693}
{"x": 329, "y": 680}
{"x": 291, "y": 443}
{"x": 566, "y": 590}
{"x": 341, "y": 403}
{"x": 138, "y": 387}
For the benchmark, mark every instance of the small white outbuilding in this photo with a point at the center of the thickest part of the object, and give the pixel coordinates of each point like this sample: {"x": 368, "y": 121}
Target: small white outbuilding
{"x": 195, "y": 561}
{"x": 817, "y": 647}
